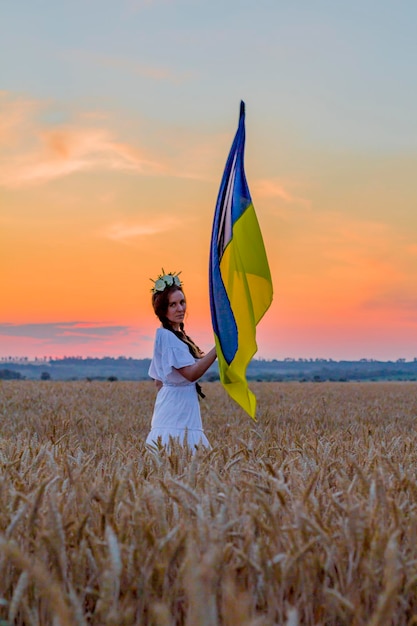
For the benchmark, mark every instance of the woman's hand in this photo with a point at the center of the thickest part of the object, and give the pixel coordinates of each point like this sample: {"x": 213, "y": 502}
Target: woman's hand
{"x": 194, "y": 372}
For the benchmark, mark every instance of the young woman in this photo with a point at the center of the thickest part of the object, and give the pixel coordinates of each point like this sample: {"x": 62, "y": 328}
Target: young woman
{"x": 176, "y": 365}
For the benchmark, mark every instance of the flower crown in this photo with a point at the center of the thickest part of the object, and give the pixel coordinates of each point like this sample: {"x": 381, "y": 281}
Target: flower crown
{"x": 166, "y": 280}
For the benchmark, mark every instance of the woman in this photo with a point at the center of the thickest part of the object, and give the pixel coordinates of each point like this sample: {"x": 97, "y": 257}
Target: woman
{"x": 176, "y": 365}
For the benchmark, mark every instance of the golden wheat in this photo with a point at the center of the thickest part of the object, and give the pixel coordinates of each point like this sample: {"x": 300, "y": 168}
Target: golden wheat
{"x": 308, "y": 516}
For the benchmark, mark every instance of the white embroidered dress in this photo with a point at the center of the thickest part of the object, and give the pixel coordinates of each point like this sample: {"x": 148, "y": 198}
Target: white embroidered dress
{"x": 177, "y": 410}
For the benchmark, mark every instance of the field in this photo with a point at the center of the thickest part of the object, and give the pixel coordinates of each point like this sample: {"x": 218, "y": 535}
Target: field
{"x": 308, "y": 516}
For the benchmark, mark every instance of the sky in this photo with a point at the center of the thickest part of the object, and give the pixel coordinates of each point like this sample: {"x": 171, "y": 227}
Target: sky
{"x": 116, "y": 119}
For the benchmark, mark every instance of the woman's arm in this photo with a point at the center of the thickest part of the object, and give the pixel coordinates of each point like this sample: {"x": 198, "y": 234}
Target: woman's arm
{"x": 158, "y": 384}
{"x": 194, "y": 372}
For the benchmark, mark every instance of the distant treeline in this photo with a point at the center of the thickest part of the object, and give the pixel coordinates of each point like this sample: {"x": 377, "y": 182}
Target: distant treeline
{"x": 302, "y": 370}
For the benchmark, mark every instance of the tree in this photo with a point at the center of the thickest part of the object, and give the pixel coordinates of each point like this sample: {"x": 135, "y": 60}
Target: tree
{"x": 6, "y": 374}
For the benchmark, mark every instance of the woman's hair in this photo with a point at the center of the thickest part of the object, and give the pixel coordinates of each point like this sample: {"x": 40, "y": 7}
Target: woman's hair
{"x": 160, "y": 302}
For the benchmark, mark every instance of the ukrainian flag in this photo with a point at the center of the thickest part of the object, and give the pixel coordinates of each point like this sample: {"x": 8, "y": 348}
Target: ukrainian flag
{"x": 240, "y": 280}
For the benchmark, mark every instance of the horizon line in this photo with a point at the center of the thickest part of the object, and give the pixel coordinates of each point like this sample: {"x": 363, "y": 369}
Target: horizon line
{"x": 48, "y": 359}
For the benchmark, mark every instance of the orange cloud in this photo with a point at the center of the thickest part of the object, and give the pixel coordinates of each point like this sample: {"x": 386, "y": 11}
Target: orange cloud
{"x": 14, "y": 118}
{"x": 34, "y": 153}
{"x": 332, "y": 266}
{"x": 123, "y": 232}
{"x": 272, "y": 188}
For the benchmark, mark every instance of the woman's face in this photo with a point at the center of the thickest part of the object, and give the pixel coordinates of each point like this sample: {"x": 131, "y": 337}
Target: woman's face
{"x": 176, "y": 309}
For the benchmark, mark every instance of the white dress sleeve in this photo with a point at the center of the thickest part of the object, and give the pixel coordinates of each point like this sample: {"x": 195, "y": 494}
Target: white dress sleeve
{"x": 170, "y": 354}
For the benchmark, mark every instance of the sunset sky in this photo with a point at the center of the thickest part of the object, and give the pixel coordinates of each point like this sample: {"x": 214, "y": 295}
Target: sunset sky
{"x": 116, "y": 119}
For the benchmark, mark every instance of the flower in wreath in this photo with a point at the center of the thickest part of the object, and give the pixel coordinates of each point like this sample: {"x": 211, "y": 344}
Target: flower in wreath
{"x": 166, "y": 280}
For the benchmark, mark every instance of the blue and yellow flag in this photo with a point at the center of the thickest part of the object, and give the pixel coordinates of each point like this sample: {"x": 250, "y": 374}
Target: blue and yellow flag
{"x": 240, "y": 280}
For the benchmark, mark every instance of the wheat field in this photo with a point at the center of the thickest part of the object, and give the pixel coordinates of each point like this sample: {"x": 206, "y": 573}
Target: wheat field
{"x": 307, "y": 517}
